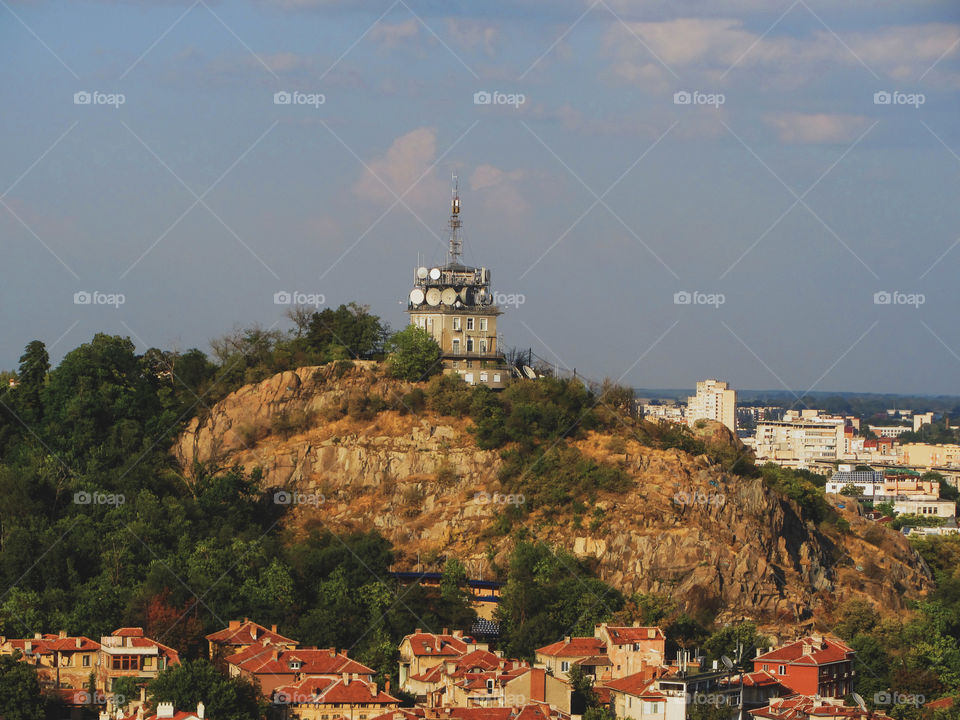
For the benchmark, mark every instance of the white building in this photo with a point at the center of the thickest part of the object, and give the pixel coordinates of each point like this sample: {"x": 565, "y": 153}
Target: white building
{"x": 928, "y": 508}
{"x": 890, "y": 431}
{"x": 714, "y": 401}
{"x": 799, "y": 443}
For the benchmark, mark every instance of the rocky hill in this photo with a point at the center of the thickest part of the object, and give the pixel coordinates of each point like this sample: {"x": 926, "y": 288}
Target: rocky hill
{"x": 684, "y": 527}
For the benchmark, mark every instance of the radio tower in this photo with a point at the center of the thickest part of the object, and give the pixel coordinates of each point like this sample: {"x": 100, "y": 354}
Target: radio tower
{"x": 456, "y": 242}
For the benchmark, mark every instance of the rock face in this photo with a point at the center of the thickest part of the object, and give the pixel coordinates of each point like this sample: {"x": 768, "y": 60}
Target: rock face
{"x": 716, "y": 542}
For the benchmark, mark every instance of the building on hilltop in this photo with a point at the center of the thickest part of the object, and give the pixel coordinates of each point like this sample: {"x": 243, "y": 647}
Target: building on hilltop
{"x": 453, "y": 302}
{"x": 714, "y": 401}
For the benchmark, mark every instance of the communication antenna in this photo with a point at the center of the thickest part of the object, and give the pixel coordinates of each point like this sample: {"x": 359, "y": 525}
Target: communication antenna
{"x": 456, "y": 241}
{"x": 859, "y": 701}
{"x": 727, "y": 662}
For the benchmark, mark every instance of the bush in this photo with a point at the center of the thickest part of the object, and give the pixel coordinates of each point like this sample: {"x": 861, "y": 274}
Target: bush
{"x": 449, "y": 395}
{"x": 413, "y": 354}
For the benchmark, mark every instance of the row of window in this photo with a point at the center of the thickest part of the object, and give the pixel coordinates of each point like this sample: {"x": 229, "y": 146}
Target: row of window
{"x": 425, "y": 322}
{"x": 118, "y": 662}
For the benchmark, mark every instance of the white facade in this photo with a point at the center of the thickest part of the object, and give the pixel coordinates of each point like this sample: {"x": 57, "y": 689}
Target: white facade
{"x": 799, "y": 443}
{"x": 714, "y": 401}
{"x": 929, "y": 508}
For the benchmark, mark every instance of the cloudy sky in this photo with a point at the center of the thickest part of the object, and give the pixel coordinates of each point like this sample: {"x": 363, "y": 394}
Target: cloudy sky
{"x": 763, "y": 191}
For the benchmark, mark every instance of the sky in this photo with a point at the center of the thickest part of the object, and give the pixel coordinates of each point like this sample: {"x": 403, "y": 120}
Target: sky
{"x": 760, "y": 191}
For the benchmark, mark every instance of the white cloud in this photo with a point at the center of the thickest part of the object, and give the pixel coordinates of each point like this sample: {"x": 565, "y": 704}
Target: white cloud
{"x": 499, "y": 190}
{"x": 407, "y": 158}
{"x": 471, "y": 34}
{"x": 392, "y": 35}
{"x": 817, "y": 127}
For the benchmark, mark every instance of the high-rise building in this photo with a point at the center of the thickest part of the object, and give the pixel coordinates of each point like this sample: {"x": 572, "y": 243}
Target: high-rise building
{"x": 453, "y": 302}
{"x": 714, "y": 401}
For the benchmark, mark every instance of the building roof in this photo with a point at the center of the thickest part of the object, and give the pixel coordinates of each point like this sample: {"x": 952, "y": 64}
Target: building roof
{"x": 801, "y": 707}
{"x": 629, "y": 635}
{"x": 634, "y": 684}
{"x": 574, "y": 647}
{"x": 49, "y": 643}
{"x": 267, "y": 659}
{"x": 808, "y": 651}
{"x": 325, "y": 691}
{"x": 134, "y": 638}
{"x": 247, "y": 633}
{"x": 433, "y": 644}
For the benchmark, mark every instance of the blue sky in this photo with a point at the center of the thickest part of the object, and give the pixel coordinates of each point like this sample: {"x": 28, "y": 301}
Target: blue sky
{"x": 787, "y": 188}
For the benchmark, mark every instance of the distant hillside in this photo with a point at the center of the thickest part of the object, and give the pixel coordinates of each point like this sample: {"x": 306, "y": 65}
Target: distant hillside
{"x": 681, "y": 526}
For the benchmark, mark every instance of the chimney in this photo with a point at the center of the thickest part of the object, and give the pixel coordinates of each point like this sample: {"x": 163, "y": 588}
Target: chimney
{"x": 234, "y": 625}
{"x": 38, "y": 636}
{"x": 373, "y": 689}
{"x": 63, "y": 634}
{"x": 346, "y": 678}
{"x": 275, "y": 654}
{"x": 27, "y": 647}
{"x": 79, "y": 643}
{"x": 458, "y": 633}
{"x": 200, "y": 710}
{"x": 273, "y": 628}
{"x": 164, "y": 710}
{"x": 253, "y": 632}
{"x": 566, "y": 639}
{"x": 386, "y": 685}
{"x": 417, "y": 631}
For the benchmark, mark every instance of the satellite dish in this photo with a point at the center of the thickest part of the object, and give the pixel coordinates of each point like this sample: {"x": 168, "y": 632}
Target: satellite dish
{"x": 859, "y": 701}
{"x": 434, "y": 273}
{"x": 416, "y": 296}
{"x": 433, "y": 297}
{"x": 463, "y": 294}
{"x": 448, "y": 296}
{"x": 727, "y": 662}
{"x": 422, "y": 273}
{"x": 528, "y": 371}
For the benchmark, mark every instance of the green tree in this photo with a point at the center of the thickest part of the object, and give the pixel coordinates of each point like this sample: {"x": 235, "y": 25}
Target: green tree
{"x": 413, "y": 354}
{"x": 31, "y": 377}
{"x": 455, "y": 600}
{"x": 737, "y": 642}
{"x": 195, "y": 681}
{"x": 351, "y": 326}
{"x": 20, "y": 695}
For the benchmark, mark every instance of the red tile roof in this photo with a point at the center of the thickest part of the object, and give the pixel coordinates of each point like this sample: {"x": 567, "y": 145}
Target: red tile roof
{"x": 634, "y": 684}
{"x": 438, "y": 644}
{"x": 324, "y": 691}
{"x": 808, "y": 651}
{"x": 270, "y": 659}
{"x": 628, "y": 635}
{"x": 49, "y": 643}
{"x": 801, "y": 707}
{"x": 248, "y": 633}
{"x": 574, "y": 647}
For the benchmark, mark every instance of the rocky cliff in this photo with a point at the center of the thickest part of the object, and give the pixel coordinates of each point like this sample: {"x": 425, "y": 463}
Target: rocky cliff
{"x": 684, "y": 528}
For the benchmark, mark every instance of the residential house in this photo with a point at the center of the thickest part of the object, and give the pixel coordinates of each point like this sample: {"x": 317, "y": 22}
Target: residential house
{"x": 514, "y": 686}
{"x": 806, "y": 707}
{"x": 239, "y": 635}
{"x": 276, "y": 666}
{"x": 62, "y": 661}
{"x": 421, "y": 651}
{"x": 319, "y": 698}
{"x": 813, "y": 665}
{"x": 127, "y": 652}
{"x": 631, "y": 649}
{"x": 590, "y": 653}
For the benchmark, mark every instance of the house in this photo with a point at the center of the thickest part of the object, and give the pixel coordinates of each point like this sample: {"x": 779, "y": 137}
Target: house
{"x": 127, "y": 652}
{"x": 514, "y": 686}
{"x": 62, "y": 661}
{"x": 276, "y": 666}
{"x": 325, "y": 699}
{"x": 421, "y": 651}
{"x": 238, "y": 636}
{"x": 813, "y": 665}
{"x": 636, "y": 697}
{"x": 805, "y": 707}
{"x": 430, "y": 686}
{"x": 588, "y": 652}
{"x": 630, "y": 649}
{"x": 527, "y": 711}
{"x": 165, "y": 711}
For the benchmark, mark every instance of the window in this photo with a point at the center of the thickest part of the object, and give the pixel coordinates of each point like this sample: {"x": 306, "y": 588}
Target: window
{"x": 766, "y": 667}
{"x": 483, "y": 377}
{"x": 469, "y": 344}
{"x": 469, "y": 323}
{"x": 456, "y": 324}
{"x": 456, "y": 346}
{"x": 483, "y": 346}
{"x": 652, "y": 708}
{"x": 496, "y": 377}
{"x": 483, "y": 324}
{"x": 782, "y": 670}
{"x": 125, "y": 662}
{"x": 564, "y": 666}
{"x": 147, "y": 663}
{"x": 86, "y": 661}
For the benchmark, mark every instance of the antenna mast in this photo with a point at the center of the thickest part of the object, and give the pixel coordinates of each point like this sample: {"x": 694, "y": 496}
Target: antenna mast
{"x": 456, "y": 241}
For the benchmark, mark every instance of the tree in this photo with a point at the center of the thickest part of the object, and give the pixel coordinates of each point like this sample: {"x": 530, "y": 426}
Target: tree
{"x": 20, "y": 695}
{"x": 737, "y": 642}
{"x": 413, "y": 354}
{"x": 455, "y": 601}
{"x": 351, "y": 326}
{"x": 851, "y": 490}
{"x": 34, "y": 365}
{"x": 195, "y": 681}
